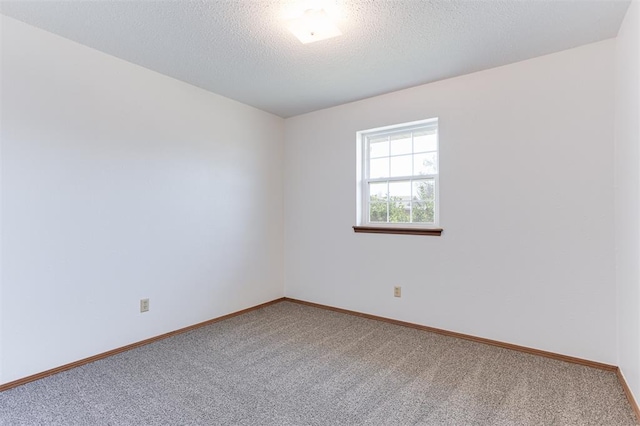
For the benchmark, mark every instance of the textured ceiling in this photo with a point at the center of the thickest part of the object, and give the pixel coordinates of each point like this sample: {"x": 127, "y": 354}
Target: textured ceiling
{"x": 242, "y": 50}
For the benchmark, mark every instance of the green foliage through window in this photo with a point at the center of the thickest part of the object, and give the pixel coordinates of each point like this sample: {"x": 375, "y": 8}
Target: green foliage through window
{"x": 420, "y": 208}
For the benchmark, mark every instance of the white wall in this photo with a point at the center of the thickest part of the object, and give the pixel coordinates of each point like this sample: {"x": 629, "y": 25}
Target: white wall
{"x": 527, "y": 252}
{"x": 1, "y": 222}
{"x": 118, "y": 184}
{"x": 627, "y": 196}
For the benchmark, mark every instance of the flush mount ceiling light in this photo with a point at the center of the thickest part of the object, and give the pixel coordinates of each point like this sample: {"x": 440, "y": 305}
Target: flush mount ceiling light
{"x": 313, "y": 25}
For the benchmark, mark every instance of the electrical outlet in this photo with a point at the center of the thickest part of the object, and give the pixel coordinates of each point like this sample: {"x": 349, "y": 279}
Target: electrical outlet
{"x": 397, "y": 291}
{"x": 144, "y": 305}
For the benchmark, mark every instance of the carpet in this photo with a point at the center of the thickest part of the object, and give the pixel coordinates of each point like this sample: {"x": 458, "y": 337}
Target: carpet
{"x": 289, "y": 364}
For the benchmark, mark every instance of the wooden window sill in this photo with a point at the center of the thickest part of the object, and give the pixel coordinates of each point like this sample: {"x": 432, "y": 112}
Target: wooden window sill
{"x": 393, "y": 230}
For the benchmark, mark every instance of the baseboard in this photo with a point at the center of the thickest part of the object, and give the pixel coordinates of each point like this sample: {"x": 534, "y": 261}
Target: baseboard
{"x": 525, "y": 349}
{"x": 97, "y": 357}
{"x": 627, "y": 391}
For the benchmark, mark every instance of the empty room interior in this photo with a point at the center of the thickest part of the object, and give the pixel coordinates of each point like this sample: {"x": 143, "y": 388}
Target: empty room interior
{"x": 320, "y": 212}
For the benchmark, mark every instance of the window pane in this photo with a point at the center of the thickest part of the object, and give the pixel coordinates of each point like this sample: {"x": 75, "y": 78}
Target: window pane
{"x": 379, "y": 168}
{"x": 400, "y": 189}
{"x": 401, "y": 144}
{"x": 424, "y": 190}
{"x": 399, "y": 211}
{"x": 378, "y": 211}
{"x": 378, "y": 190}
{"x": 423, "y": 212}
{"x": 425, "y": 140}
{"x": 401, "y": 166}
{"x": 379, "y": 147}
{"x": 400, "y": 201}
{"x": 425, "y": 164}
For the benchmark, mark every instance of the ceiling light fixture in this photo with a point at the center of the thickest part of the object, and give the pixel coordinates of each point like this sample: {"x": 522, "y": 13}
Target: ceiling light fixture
{"x": 313, "y": 25}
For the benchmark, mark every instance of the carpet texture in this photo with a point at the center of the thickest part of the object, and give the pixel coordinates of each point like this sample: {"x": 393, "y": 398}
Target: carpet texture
{"x": 289, "y": 364}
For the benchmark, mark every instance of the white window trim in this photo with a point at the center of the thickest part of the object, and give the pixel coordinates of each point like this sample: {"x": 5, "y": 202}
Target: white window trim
{"x": 362, "y": 190}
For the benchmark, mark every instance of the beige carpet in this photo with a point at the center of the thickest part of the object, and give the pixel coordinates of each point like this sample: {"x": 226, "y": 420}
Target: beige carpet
{"x": 289, "y": 364}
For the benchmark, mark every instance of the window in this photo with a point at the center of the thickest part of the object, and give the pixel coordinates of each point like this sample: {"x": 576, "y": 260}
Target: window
{"x": 398, "y": 182}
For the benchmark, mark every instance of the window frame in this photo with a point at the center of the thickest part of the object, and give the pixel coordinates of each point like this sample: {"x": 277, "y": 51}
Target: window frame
{"x": 363, "y": 180}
